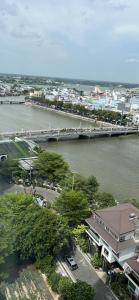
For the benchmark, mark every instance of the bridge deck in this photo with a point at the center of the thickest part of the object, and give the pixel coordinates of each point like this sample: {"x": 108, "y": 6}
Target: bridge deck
{"x": 69, "y": 133}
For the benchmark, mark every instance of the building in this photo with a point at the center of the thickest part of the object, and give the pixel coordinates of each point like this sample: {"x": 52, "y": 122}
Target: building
{"x": 131, "y": 269}
{"x": 114, "y": 232}
{"x": 136, "y": 118}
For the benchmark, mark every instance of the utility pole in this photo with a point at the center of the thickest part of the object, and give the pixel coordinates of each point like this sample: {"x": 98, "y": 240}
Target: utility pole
{"x": 73, "y": 182}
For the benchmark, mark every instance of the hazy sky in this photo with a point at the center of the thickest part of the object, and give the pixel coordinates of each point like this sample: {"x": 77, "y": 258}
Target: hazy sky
{"x": 90, "y": 39}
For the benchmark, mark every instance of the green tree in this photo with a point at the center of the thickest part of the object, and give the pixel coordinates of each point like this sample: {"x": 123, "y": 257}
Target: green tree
{"x": 79, "y": 230}
{"x": 73, "y": 181}
{"x": 50, "y": 166}
{"x": 80, "y": 235}
{"x": 73, "y": 206}
{"x": 28, "y": 230}
{"x": 103, "y": 200}
{"x": 97, "y": 261}
{"x": 90, "y": 188}
{"x": 39, "y": 231}
{"x": 65, "y": 286}
{"x": 79, "y": 290}
{"x": 9, "y": 168}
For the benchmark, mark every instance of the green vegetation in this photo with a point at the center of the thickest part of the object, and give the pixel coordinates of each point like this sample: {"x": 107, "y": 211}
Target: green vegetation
{"x": 73, "y": 206}
{"x": 67, "y": 289}
{"x": 88, "y": 186}
{"x": 78, "y": 290}
{"x": 8, "y": 168}
{"x": 15, "y": 150}
{"x": 97, "y": 261}
{"x": 51, "y": 167}
{"x": 119, "y": 286}
{"x": 29, "y": 232}
{"x": 103, "y": 200}
{"x": 101, "y": 115}
{"x": 80, "y": 235}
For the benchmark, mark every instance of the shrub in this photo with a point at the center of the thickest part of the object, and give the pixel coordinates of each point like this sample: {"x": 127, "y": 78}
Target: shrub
{"x": 54, "y": 280}
{"x": 75, "y": 290}
{"x": 65, "y": 284}
{"x": 96, "y": 261}
{"x": 83, "y": 243}
{"x": 46, "y": 265}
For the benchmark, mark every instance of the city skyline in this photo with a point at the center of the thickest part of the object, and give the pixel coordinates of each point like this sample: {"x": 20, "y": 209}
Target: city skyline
{"x": 93, "y": 40}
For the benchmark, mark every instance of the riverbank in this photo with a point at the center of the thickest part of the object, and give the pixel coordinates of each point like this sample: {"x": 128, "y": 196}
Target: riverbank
{"x": 96, "y": 123}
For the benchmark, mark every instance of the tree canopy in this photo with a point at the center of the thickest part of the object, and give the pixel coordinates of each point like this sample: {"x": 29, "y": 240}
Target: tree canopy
{"x": 50, "y": 166}
{"x": 9, "y": 167}
{"x": 88, "y": 186}
{"x": 103, "y": 200}
{"x": 28, "y": 230}
{"x": 79, "y": 290}
{"x": 73, "y": 206}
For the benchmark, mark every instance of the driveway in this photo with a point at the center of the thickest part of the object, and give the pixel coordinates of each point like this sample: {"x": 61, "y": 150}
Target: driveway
{"x": 85, "y": 272}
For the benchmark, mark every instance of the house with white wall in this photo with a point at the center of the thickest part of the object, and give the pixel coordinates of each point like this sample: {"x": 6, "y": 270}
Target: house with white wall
{"x": 114, "y": 231}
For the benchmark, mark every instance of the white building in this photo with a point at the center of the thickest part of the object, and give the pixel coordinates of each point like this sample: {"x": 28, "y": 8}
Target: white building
{"x": 114, "y": 231}
{"x": 136, "y": 119}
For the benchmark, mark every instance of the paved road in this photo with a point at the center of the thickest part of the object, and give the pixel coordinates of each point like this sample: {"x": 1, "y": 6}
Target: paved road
{"x": 85, "y": 272}
{"x": 8, "y": 188}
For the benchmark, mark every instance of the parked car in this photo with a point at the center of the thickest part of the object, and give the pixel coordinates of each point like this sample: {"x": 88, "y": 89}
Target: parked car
{"x": 71, "y": 262}
{"x": 3, "y": 157}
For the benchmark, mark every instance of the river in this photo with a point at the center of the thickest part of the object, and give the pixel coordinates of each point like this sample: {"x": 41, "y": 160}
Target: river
{"x": 114, "y": 161}
{"x": 17, "y": 117}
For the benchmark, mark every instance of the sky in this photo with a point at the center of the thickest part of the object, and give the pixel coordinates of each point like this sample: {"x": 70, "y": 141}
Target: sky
{"x": 87, "y": 39}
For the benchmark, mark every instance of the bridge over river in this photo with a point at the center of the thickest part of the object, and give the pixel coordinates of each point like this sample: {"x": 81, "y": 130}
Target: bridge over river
{"x": 9, "y": 101}
{"x": 55, "y": 135}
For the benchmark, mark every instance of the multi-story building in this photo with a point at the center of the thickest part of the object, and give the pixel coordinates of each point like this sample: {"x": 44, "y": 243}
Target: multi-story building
{"x": 114, "y": 231}
{"x": 131, "y": 270}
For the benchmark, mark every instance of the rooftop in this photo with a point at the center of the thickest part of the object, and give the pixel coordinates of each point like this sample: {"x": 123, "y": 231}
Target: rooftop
{"x": 118, "y": 217}
{"x": 133, "y": 263}
{"x": 118, "y": 220}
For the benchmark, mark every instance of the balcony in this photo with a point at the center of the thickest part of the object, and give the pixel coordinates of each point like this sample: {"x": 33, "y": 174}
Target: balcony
{"x": 93, "y": 236}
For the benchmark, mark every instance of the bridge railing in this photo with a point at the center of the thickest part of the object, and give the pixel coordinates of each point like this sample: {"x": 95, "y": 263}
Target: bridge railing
{"x": 68, "y": 131}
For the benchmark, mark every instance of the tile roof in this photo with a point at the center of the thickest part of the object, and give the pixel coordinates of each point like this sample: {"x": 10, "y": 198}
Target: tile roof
{"x": 117, "y": 217}
{"x": 133, "y": 264}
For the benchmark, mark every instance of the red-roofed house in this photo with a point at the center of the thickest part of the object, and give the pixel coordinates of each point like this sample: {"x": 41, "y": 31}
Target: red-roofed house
{"x": 115, "y": 232}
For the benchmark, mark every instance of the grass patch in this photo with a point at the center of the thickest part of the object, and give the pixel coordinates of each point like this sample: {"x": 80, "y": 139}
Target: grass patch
{"x": 15, "y": 150}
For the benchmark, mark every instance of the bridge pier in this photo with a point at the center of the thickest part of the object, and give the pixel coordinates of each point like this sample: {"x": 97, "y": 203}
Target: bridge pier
{"x": 83, "y": 137}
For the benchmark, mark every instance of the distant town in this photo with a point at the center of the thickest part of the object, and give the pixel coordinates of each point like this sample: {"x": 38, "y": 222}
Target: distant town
{"x": 93, "y": 95}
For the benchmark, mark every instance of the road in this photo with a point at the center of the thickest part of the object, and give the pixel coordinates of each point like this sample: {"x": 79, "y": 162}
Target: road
{"x": 85, "y": 272}
{"x": 50, "y": 195}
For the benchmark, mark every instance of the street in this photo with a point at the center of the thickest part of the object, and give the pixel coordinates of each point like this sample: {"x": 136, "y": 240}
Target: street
{"x": 86, "y": 273}
{"x": 5, "y": 187}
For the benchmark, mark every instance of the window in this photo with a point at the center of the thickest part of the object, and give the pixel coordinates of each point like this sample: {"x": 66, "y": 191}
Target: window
{"x": 106, "y": 252}
{"x": 136, "y": 235}
{"x": 122, "y": 238}
{"x": 107, "y": 228}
